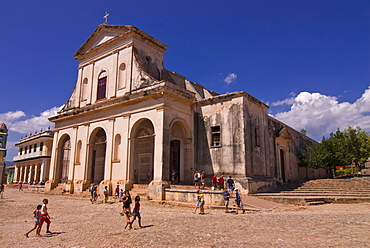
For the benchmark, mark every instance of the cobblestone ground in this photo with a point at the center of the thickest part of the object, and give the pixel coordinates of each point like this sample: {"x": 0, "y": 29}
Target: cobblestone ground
{"x": 78, "y": 223}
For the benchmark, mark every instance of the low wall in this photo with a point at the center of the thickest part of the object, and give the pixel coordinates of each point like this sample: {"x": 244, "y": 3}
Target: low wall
{"x": 37, "y": 188}
{"x": 211, "y": 197}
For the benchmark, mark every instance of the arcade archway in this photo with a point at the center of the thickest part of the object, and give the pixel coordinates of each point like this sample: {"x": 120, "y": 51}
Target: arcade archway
{"x": 97, "y": 156}
{"x": 64, "y": 152}
{"x": 143, "y": 152}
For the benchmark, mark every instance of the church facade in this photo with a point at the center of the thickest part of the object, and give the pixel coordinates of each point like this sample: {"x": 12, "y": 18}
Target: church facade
{"x": 130, "y": 121}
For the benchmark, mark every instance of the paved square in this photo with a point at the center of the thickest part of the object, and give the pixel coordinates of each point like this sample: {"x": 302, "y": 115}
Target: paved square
{"x": 78, "y": 223}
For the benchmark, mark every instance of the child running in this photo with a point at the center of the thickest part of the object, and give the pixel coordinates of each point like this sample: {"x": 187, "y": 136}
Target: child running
{"x": 137, "y": 211}
{"x": 36, "y": 216}
{"x": 128, "y": 221}
{"x": 45, "y": 217}
{"x": 106, "y": 193}
{"x": 200, "y": 203}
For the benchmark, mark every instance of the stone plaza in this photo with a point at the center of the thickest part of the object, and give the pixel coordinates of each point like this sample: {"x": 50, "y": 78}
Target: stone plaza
{"x": 78, "y": 223}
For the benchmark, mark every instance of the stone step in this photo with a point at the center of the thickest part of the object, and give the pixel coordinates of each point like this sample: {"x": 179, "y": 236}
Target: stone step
{"x": 315, "y": 195}
{"x": 305, "y": 200}
{"x": 140, "y": 186}
{"x": 349, "y": 189}
{"x": 178, "y": 186}
{"x": 328, "y": 191}
{"x": 315, "y": 202}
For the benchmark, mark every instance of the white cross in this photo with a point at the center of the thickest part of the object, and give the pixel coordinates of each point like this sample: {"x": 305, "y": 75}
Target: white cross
{"x": 106, "y": 18}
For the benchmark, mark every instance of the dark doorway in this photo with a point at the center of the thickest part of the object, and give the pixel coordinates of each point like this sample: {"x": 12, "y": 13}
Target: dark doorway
{"x": 144, "y": 148}
{"x": 98, "y": 157}
{"x": 174, "y": 161}
{"x": 282, "y": 165}
{"x": 66, "y": 157}
{"x": 64, "y": 151}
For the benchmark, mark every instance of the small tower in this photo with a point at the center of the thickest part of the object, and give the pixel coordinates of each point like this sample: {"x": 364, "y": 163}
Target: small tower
{"x": 3, "y": 138}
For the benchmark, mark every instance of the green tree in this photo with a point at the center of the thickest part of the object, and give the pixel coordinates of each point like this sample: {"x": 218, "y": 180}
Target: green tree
{"x": 341, "y": 148}
{"x": 304, "y": 132}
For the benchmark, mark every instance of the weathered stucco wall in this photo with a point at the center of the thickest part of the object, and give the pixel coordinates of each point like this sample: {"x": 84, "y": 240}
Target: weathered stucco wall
{"x": 227, "y": 158}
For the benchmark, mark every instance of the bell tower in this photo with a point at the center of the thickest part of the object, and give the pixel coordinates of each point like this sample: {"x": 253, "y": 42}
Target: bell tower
{"x": 3, "y": 138}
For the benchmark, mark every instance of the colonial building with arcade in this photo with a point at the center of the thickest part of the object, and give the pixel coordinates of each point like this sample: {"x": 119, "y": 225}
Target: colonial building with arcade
{"x": 130, "y": 121}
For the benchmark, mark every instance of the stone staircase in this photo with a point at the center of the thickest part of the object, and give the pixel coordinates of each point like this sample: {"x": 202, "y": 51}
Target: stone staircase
{"x": 340, "y": 190}
{"x": 141, "y": 190}
{"x": 58, "y": 190}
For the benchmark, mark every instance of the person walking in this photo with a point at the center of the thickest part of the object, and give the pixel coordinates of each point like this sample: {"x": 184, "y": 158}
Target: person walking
{"x": 121, "y": 193}
{"x": 36, "y": 219}
{"x": 238, "y": 202}
{"x": 137, "y": 211}
{"x": 202, "y": 179}
{"x": 230, "y": 185}
{"x": 20, "y": 186}
{"x": 214, "y": 182}
{"x": 45, "y": 217}
{"x": 221, "y": 182}
{"x": 106, "y": 194}
{"x": 128, "y": 220}
{"x": 93, "y": 193}
{"x": 226, "y": 200}
{"x": 196, "y": 179}
{"x": 116, "y": 193}
{"x": 200, "y": 203}
{"x": 126, "y": 202}
{"x": 2, "y": 189}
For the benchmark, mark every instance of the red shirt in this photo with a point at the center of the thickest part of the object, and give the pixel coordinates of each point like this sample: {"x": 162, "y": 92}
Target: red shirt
{"x": 221, "y": 180}
{"x": 214, "y": 180}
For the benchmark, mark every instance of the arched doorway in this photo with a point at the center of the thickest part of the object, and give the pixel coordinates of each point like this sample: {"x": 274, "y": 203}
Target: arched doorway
{"x": 282, "y": 164}
{"x": 179, "y": 168}
{"x": 97, "y": 154}
{"x": 143, "y": 153}
{"x": 175, "y": 161}
{"x": 64, "y": 152}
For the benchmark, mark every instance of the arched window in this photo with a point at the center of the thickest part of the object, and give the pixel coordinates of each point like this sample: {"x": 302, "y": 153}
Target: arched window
{"x": 102, "y": 86}
{"x": 85, "y": 90}
{"x": 78, "y": 152}
{"x": 122, "y": 76}
{"x": 117, "y": 145}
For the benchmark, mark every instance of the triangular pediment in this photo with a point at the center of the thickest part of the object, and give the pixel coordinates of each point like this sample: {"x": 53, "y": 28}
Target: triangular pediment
{"x": 104, "y": 38}
{"x": 284, "y": 134}
{"x": 102, "y": 34}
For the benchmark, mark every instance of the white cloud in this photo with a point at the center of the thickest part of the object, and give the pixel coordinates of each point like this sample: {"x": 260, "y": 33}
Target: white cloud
{"x": 11, "y": 116}
{"x": 320, "y": 114}
{"x": 231, "y": 77}
{"x": 16, "y": 122}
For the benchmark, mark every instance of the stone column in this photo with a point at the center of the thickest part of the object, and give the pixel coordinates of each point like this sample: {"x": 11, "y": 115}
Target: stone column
{"x": 28, "y": 174}
{"x": 52, "y": 183}
{"x": 32, "y": 173}
{"x": 16, "y": 174}
{"x": 128, "y": 151}
{"x": 42, "y": 172}
{"x": 38, "y": 172}
{"x": 156, "y": 189}
{"x": 21, "y": 174}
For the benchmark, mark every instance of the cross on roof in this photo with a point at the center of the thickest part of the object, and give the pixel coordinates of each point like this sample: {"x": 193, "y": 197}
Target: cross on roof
{"x": 106, "y": 18}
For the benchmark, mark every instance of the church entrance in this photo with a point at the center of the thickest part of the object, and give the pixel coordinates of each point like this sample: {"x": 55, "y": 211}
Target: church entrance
{"x": 282, "y": 165}
{"x": 143, "y": 168}
{"x": 179, "y": 170}
{"x": 98, "y": 146}
{"x": 64, "y": 151}
{"x": 174, "y": 161}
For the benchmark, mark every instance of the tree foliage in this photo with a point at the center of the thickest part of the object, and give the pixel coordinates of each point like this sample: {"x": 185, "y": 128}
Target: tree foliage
{"x": 341, "y": 148}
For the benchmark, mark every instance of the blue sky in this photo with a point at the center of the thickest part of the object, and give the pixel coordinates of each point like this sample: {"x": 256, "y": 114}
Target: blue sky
{"x": 308, "y": 60}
